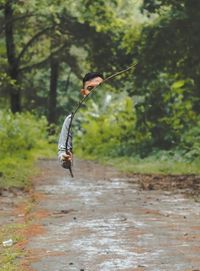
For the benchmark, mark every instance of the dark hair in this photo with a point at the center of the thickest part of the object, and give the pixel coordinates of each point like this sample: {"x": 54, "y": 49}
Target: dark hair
{"x": 91, "y": 75}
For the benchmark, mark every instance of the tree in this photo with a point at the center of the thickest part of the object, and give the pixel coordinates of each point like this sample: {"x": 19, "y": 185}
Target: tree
{"x": 50, "y": 36}
{"x": 16, "y": 49}
{"x": 167, "y": 75}
{"x": 13, "y": 62}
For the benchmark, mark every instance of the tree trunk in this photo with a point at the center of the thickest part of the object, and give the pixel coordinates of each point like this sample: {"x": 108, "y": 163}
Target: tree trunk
{"x": 13, "y": 67}
{"x": 52, "y": 104}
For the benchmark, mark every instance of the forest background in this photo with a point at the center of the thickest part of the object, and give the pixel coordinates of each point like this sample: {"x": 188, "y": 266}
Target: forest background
{"x": 146, "y": 120}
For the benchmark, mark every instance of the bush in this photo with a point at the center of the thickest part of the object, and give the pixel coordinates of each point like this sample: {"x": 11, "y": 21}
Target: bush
{"x": 20, "y": 133}
{"x": 190, "y": 142}
{"x": 165, "y": 112}
{"x": 23, "y": 138}
{"x": 107, "y": 129}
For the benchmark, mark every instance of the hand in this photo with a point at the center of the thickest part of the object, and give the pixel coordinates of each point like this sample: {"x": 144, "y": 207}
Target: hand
{"x": 85, "y": 92}
{"x": 67, "y": 159}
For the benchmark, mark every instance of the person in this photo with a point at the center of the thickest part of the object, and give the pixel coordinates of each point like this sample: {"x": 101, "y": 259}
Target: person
{"x": 90, "y": 80}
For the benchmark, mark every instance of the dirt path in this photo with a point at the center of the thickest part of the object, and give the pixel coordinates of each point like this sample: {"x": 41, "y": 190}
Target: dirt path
{"x": 103, "y": 221}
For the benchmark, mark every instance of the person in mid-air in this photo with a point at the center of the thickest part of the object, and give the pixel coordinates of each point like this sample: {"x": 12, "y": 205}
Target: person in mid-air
{"x": 90, "y": 80}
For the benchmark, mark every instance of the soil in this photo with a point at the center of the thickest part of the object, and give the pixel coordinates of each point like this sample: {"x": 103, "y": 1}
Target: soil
{"x": 103, "y": 220}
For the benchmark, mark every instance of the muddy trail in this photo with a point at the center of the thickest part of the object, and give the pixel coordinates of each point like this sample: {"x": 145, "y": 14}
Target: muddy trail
{"x": 103, "y": 220}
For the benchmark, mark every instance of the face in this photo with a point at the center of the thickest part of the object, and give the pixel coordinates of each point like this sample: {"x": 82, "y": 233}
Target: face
{"x": 89, "y": 85}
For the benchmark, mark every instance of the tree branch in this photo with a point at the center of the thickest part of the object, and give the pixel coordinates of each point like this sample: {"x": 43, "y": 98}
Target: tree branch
{"x": 32, "y": 40}
{"x": 12, "y": 20}
{"x": 42, "y": 62}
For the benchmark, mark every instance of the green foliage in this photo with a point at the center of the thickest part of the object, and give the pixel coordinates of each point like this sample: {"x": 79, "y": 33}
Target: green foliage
{"x": 107, "y": 128}
{"x": 23, "y": 137}
{"x": 190, "y": 143}
{"x": 46, "y": 29}
{"x": 166, "y": 111}
{"x": 96, "y": 35}
{"x": 20, "y": 133}
{"x": 156, "y": 163}
{"x": 166, "y": 80}
{"x": 170, "y": 44}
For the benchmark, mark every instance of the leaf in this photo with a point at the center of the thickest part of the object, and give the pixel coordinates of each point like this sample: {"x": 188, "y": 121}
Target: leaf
{"x": 178, "y": 84}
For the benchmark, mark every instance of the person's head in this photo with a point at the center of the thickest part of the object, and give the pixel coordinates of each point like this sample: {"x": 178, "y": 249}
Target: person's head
{"x": 91, "y": 80}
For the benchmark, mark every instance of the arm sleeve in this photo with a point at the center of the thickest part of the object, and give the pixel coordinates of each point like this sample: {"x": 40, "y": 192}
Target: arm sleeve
{"x": 62, "y": 140}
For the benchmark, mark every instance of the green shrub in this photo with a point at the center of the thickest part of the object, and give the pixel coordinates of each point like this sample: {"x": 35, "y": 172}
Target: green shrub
{"x": 165, "y": 112}
{"x": 20, "y": 133}
{"x": 23, "y": 137}
{"x": 107, "y": 128}
{"x": 190, "y": 142}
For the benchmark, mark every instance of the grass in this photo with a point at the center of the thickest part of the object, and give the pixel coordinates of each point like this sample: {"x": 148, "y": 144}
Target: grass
{"x": 151, "y": 166}
{"x": 16, "y": 170}
{"x": 155, "y": 164}
{"x": 15, "y": 173}
{"x": 24, "y": 138}
{"x": 9, "y": 255}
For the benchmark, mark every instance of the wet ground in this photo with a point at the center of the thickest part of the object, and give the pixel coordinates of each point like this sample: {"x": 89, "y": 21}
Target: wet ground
{"x": 105, "y": 221}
